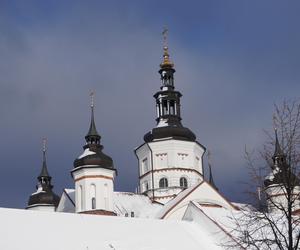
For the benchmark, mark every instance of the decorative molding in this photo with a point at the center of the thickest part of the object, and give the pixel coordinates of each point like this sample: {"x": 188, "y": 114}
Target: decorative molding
{"x": 171, "y": 169}
{"x": 99, "y": 212}
{"x": 93, "y": 176}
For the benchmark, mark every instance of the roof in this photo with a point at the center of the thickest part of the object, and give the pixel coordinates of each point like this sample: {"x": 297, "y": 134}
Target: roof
{"x": 202, "y": 192}
{"x": 125, "y": 203}
{"x": 82, "y": 232}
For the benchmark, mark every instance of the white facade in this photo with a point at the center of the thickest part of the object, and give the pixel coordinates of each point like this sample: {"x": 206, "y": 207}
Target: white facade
{"x": 94, "y": 188}
{"x": 168, "y": 166}
{"x": 276, "y": 197}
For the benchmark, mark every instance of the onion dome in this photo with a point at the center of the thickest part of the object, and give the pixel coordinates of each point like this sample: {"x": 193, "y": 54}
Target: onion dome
{"x": 168, "y": 105}
{"x": 44, "y": 194}
{"x": 93, "y": 155}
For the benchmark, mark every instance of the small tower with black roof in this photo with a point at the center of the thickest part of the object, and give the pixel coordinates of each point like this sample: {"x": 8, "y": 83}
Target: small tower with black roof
{"x": 277, "y": 182}
{"x": 94, "y": 175}
{"x": 44, "y": 199}
{"x": 170, "y": 159}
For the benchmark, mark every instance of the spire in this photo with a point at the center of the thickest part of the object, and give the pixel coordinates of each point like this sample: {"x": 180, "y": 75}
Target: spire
{"x": 278, "y": 156}
{"x": 92, "y": 136}
{"x": 278, "y": 151}
{"x": 168, "y": 107}
{"x": 211, "y": 180}
{"x": 44, "y": 173}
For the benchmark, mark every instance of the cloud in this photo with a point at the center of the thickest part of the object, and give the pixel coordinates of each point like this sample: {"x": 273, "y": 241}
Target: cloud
{"x": 50, "y": 63}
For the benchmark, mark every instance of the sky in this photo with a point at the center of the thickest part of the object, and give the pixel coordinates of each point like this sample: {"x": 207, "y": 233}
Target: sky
{"x": 233, "y": 60}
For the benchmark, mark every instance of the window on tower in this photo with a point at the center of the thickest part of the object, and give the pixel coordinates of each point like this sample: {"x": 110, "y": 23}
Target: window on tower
{"x": 163, "y": 183}
{"x": 93, "y": 203}
{"x": 165, "y": 107}
{"x": 172, "y": 107}
{"x": 145, "y": 165}
{"x": 93, "y": 196}
{"x": 183, "y": 182}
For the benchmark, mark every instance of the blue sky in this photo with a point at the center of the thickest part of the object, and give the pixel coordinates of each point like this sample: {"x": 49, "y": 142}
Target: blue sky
{"x": 234, "y": 60}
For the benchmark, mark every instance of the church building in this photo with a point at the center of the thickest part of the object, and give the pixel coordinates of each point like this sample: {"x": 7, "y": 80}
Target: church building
{"x": 174, "y": 207}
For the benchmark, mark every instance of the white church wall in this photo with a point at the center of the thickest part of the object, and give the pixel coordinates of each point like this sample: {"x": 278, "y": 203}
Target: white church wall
{"x": 42, "y": 207}
{"x": 170, "y": 159}
{"x": 276, "y": 197}
{"x": 94, "y": 189}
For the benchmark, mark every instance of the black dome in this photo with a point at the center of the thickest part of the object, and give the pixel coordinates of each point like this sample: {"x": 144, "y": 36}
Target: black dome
{"x": 47, "y": 197}
{"x": 99, "y": 159}
{"x": 175, "y": 132}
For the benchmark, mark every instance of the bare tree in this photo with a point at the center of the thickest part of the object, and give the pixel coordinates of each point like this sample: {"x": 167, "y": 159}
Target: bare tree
{"x": 276, "y": 224}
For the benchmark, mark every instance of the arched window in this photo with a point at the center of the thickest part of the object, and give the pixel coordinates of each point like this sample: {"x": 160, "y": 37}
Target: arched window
{"x": 80, "y": 199}
{"x": 93, "y": 203}
{"x": 163, "y": 183}
{"x": 183, "y": 182}
{"x": 93, "y": 196}
{"x": 105, "y": 196}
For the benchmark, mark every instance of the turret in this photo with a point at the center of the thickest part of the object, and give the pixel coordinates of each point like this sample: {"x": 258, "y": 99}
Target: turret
{"x": 94, "y": 175}
{"x": 44, "y": 198}
{"x": 280, "y": 180}
{"x": 170, "y": 159}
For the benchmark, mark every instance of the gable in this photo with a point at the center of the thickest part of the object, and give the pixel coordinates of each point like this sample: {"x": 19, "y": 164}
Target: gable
{"x": 202, "y": 193}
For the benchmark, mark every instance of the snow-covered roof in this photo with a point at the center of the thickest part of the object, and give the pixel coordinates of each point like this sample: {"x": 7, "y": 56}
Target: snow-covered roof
{"x": 23, "y": 229}
{"x": 125, "y": 204}
{"x": 202, "y": 193}
{"x": 140, "y": 205}
{"x": 86, "y": 152}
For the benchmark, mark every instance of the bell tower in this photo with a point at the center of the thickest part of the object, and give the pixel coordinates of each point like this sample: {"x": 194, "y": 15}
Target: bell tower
{"x": 170, "y": 159}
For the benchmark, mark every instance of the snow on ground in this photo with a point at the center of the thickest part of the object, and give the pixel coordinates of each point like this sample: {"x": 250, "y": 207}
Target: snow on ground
{"x": 35, "y": 230}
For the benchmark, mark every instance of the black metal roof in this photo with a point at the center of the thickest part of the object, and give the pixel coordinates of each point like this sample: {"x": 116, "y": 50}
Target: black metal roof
{"x": 175, "y": 132}
{"x": 44, "y": 194}
{"x": 281, "y": 170}
{"x": 99, "y": 159}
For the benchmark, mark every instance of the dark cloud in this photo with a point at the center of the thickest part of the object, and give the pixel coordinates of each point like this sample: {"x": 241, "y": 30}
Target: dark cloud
{"x": 233, "y": 61}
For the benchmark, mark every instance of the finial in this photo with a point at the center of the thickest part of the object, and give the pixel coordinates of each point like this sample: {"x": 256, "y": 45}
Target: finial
{"x": 165, "y": 37}
{"x": 44, "y": 172}
{"x": 274, "y": 118}
{"x": 92, "y": 98}
{"x": 44, "y": 144}
{"x": 166, "y": 57}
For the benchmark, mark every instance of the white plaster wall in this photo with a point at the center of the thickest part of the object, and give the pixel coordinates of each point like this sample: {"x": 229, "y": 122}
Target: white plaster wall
{"x": 276, "y": 195}
{"x": 202, "y": 194}
{"x": 170, "y": 154}
{"x": 104, "y": 188}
